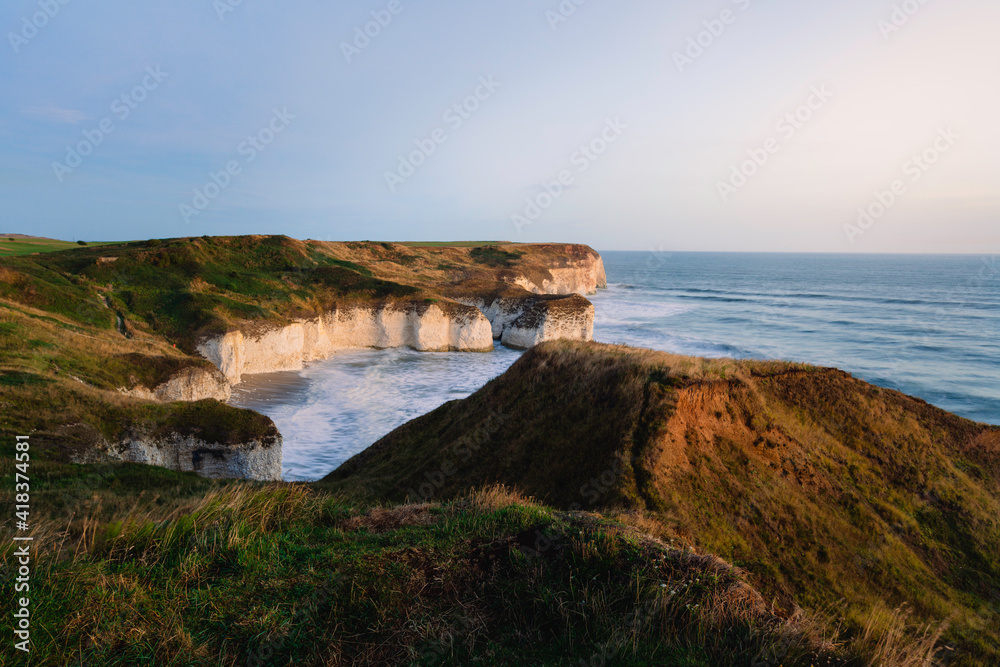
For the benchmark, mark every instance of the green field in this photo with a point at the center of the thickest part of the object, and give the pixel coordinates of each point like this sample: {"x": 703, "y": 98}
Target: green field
{"x": 12, "y": 246}
{"x": 453, "y": 244}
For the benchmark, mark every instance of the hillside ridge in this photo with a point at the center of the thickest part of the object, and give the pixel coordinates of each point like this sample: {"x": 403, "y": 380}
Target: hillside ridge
{"x": 822, "y": 486}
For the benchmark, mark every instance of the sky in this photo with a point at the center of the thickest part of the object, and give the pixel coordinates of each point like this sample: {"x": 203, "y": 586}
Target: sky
{"x": 722, "y": 125}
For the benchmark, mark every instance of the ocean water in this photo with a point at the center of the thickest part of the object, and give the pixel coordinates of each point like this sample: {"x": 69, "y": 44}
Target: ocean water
{"x": 925, "y": 325}
{"x": 335, "y": 408}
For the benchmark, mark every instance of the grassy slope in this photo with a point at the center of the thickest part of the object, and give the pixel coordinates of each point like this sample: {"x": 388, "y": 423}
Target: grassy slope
{"x": 453, "y": 244}
{"x": 183, "y": 289}
{"x": 823, "y": 487}
{"x": 243, "y": 574}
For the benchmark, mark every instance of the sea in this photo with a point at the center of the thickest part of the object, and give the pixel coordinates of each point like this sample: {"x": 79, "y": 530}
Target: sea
{"x": 927, "y": 325}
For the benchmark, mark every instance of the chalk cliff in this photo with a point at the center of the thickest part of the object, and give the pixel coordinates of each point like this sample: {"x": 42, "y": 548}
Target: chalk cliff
{"x": 190, "y": 384}
{"x": 520, "y": 319}
{"x": 535, "y": 299}
{"x": 435, "y": 327}
{"x": 208, "y": 438}
{"x": 570, "y": 318}
{"x": 577, "y": 270}
{"x": 258, "y": 460}
{"x": 540, "y": 297}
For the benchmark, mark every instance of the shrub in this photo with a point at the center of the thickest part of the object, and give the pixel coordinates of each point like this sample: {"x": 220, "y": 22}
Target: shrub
{"x": 495, "y": 257}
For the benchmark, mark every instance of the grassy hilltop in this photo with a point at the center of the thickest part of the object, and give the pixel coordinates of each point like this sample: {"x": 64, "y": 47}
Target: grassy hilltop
{"x": 825, "y": 488}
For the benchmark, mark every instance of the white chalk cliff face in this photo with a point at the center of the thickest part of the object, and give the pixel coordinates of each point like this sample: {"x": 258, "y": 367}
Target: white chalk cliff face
{"x": 190, "y": 384}
{"x": 580, "y": 276}
{"x": 255, "y": 460}
{"x": 517, "y": 318}
{"x": 562, "y": 319}
{"x": 548, "y": 306}
{"x": 524, "y": 320}
{"x": 419, "y": 326}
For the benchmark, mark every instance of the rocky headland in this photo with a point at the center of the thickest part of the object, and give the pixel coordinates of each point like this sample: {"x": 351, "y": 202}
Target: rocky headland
{"x": 183, "y": 320}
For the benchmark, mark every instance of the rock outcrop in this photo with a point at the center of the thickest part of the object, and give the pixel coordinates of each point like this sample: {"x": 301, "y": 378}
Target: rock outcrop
{"x": 191, "y": 384}
{"x": 569, "y": 318}
{"x": 574, "y": 270}
{"x": 258, "y": 460}
{"x": 208, "y": 439}
{"x": 436, "y": 327}
{"x": 541, "y": 297}
{"x": 520, "y": 320}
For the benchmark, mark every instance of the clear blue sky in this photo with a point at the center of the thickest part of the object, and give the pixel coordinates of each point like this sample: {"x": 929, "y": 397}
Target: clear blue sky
{"x": 667, "y": 122}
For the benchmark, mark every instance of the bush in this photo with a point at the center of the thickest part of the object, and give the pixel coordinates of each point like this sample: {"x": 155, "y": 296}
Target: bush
{"x": 495, "y": 257}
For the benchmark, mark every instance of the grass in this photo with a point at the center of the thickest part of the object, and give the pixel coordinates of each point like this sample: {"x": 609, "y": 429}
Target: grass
{"x": 185, "y": 289}
{"x": 495, "y": 257}
{"x": 453, "y": 244}
{"x": 249, "y": 574}
{"x": 823, "y": 487}
{"x": 13, "y": 246}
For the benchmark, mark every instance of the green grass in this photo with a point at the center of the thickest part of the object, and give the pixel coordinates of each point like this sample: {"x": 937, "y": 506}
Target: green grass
{"x": 186, "y": 289}
{"x": 494, "y": 257}
{"x": 229, "y": 574}
{"x": 16, "y": 246}
{"x": 453, "y": 244}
